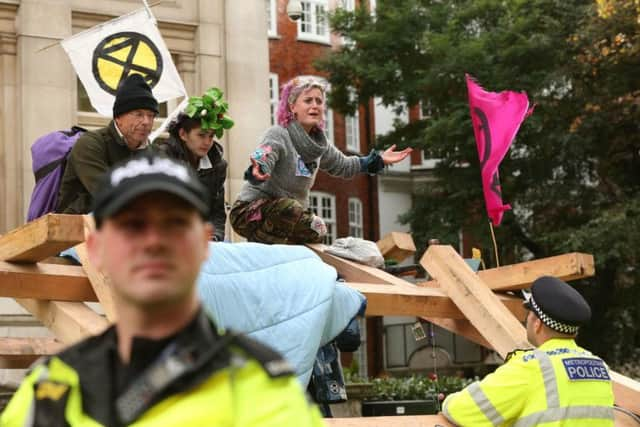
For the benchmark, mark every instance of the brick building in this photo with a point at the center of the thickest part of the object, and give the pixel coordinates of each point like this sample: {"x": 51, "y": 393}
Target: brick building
{"x": 367, "y": 206}
{"x": 348, "y": 207}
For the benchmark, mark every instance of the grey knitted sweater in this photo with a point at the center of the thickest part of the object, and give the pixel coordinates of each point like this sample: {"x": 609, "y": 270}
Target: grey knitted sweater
{"x": 292, "y": 158}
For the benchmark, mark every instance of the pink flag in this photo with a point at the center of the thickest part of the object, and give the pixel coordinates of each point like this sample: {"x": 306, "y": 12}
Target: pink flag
{"x": 496, "y": 118}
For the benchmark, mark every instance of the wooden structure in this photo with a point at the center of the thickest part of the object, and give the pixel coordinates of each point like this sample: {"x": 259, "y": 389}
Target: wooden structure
{"x": 457, "y": 299}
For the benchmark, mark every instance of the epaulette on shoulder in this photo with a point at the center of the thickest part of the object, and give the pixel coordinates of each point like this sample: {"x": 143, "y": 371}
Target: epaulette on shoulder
{"x": 272, "y": 362}
{"x": 517, "y": 352}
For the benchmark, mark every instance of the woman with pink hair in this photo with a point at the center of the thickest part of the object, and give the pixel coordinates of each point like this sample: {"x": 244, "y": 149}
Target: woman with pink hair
{"x": 273, "y": 205}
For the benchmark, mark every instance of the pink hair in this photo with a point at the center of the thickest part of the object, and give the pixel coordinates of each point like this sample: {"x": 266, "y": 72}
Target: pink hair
{"x": 288, "y": 95}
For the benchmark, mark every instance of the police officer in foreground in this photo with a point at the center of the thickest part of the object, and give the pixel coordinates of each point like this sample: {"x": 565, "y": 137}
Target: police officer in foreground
{"x": 164, "y": 362}
{"x": 556, "y": 384}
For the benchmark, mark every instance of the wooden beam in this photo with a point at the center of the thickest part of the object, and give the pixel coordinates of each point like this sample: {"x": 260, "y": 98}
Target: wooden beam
{"x": 514, "y": 277}
{"x": 397, "y": 246}
{"x": 566, "y": 267}
{"x": 621, "y": 420}
{"x": 45, "y": 281}
{"x": 476, "y": 301}
{"x": 69, "y": 321}
{"x": 397, "y": 421}
{"x": 352, "y": 271}
{"x": 480, "y": 305}
{"x": 410, "y": 300}
{"x": 41, "y": 238}
{"x": 99, "y": 282}
{"x": 626, "y": 392}
{"x": 391, "y": 300}
{"x": 20, "y": 353}
{"x": 624, "y": 419}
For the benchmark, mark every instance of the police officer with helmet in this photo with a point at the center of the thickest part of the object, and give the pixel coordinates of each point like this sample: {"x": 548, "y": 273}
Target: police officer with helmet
{"x": 558, "y": 383}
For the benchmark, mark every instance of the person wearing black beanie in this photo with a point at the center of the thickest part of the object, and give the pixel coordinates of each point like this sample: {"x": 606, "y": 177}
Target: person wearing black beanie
{"x": 134, "y": 94}
{"x": 134, "y": 111}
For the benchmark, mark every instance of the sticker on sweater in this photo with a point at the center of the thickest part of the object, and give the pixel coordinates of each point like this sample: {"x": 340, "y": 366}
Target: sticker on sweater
{"x": 302, "y": 169}
{"x": 260, "y": 154}
{"x": 581, "y": 368}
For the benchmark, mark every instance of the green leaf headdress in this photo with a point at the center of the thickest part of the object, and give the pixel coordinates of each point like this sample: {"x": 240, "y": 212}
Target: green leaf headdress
{"x": 211, "y": 109}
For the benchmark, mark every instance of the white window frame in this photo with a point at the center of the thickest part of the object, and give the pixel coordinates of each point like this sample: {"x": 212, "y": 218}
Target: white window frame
{"x": 324, "y": 205}
{"x": 349, "y": 6}
{"x": 352, "y": 132}
{"x": 328, "y": 124}
{"x": 272, "y": 18}
{"x": 356, "y": 221}
{"x": 274, "y": 96}
{"x": 361, "y": 353}
{"x": 426, "y": 113}
{"x": 313, "y": 26}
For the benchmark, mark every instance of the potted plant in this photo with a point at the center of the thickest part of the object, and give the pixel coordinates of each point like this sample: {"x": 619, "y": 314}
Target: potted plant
{"x": 414, "y": 395}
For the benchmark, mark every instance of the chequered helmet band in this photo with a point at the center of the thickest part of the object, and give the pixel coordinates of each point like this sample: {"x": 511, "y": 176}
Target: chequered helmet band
{"x": 552, "y": 323}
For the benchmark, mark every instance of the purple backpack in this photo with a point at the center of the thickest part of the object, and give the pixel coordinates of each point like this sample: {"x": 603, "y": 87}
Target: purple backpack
{"x": 49, "y": 156}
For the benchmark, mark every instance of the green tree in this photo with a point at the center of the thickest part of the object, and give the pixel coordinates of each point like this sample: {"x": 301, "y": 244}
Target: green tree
{"x": 573, "y": 173}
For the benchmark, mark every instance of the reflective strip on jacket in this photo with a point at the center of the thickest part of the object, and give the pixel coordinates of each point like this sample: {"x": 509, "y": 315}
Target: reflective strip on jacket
{"x": 557, "y": 384}
{"x": 235, "y": 396}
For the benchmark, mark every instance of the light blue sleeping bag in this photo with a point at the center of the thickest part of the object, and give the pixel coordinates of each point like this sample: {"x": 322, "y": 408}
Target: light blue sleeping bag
{"x": 283, "y": 296}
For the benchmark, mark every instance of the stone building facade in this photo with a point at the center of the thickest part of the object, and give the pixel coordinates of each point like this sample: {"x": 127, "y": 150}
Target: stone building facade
{"x": 213, "y": 42}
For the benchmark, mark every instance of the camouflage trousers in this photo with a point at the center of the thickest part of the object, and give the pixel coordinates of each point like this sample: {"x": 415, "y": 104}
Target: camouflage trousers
{"x": 279, "y": 220}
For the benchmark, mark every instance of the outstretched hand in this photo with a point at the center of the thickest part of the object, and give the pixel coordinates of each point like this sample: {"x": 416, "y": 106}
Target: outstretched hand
{"x": 257, "y": 174}
{"x": 389, "y": 156}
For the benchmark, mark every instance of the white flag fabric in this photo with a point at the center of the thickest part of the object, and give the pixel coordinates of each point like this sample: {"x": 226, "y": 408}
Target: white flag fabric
{"x": 106, "y": 54}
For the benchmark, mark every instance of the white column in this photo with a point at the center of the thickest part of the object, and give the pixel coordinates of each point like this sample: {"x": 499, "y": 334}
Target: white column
{"x": 45, "y": 79}
{"x": 247, "y": 72}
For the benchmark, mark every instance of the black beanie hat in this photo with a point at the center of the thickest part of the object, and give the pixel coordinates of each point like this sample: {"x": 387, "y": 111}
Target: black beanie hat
{"x": 133, "y": 94}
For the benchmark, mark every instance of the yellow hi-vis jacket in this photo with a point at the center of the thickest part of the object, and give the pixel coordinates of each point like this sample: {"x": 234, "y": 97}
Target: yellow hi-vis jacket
{"x": 244, "y": 384}
{"x": 558, "y": 384}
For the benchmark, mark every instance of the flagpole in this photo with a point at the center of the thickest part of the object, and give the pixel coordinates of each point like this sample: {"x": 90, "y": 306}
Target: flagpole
{"x": 170, "y": 117}
{"x": 495, "y": 246}
{"x": 147, "y": 7}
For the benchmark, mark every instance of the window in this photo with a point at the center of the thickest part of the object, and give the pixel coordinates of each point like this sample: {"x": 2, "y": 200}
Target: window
{"x": 324, "y": 205}
{"x": 355, "y": 217}
{"x": 361, "y": 353}
{"x": 428, "y": 112}
{"x": 313, "y": 24}
{"x": 272, "y": 23}
{"x": 349, "y": 6}
{"x": 328, "y": 123}
{"x": 401, "y": 344}
{"x": 273, "y": 96}
{"x": 352, "y": 132}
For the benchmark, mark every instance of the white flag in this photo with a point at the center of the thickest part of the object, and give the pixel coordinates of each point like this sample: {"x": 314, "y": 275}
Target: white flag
{"x": 106, "y": 54}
